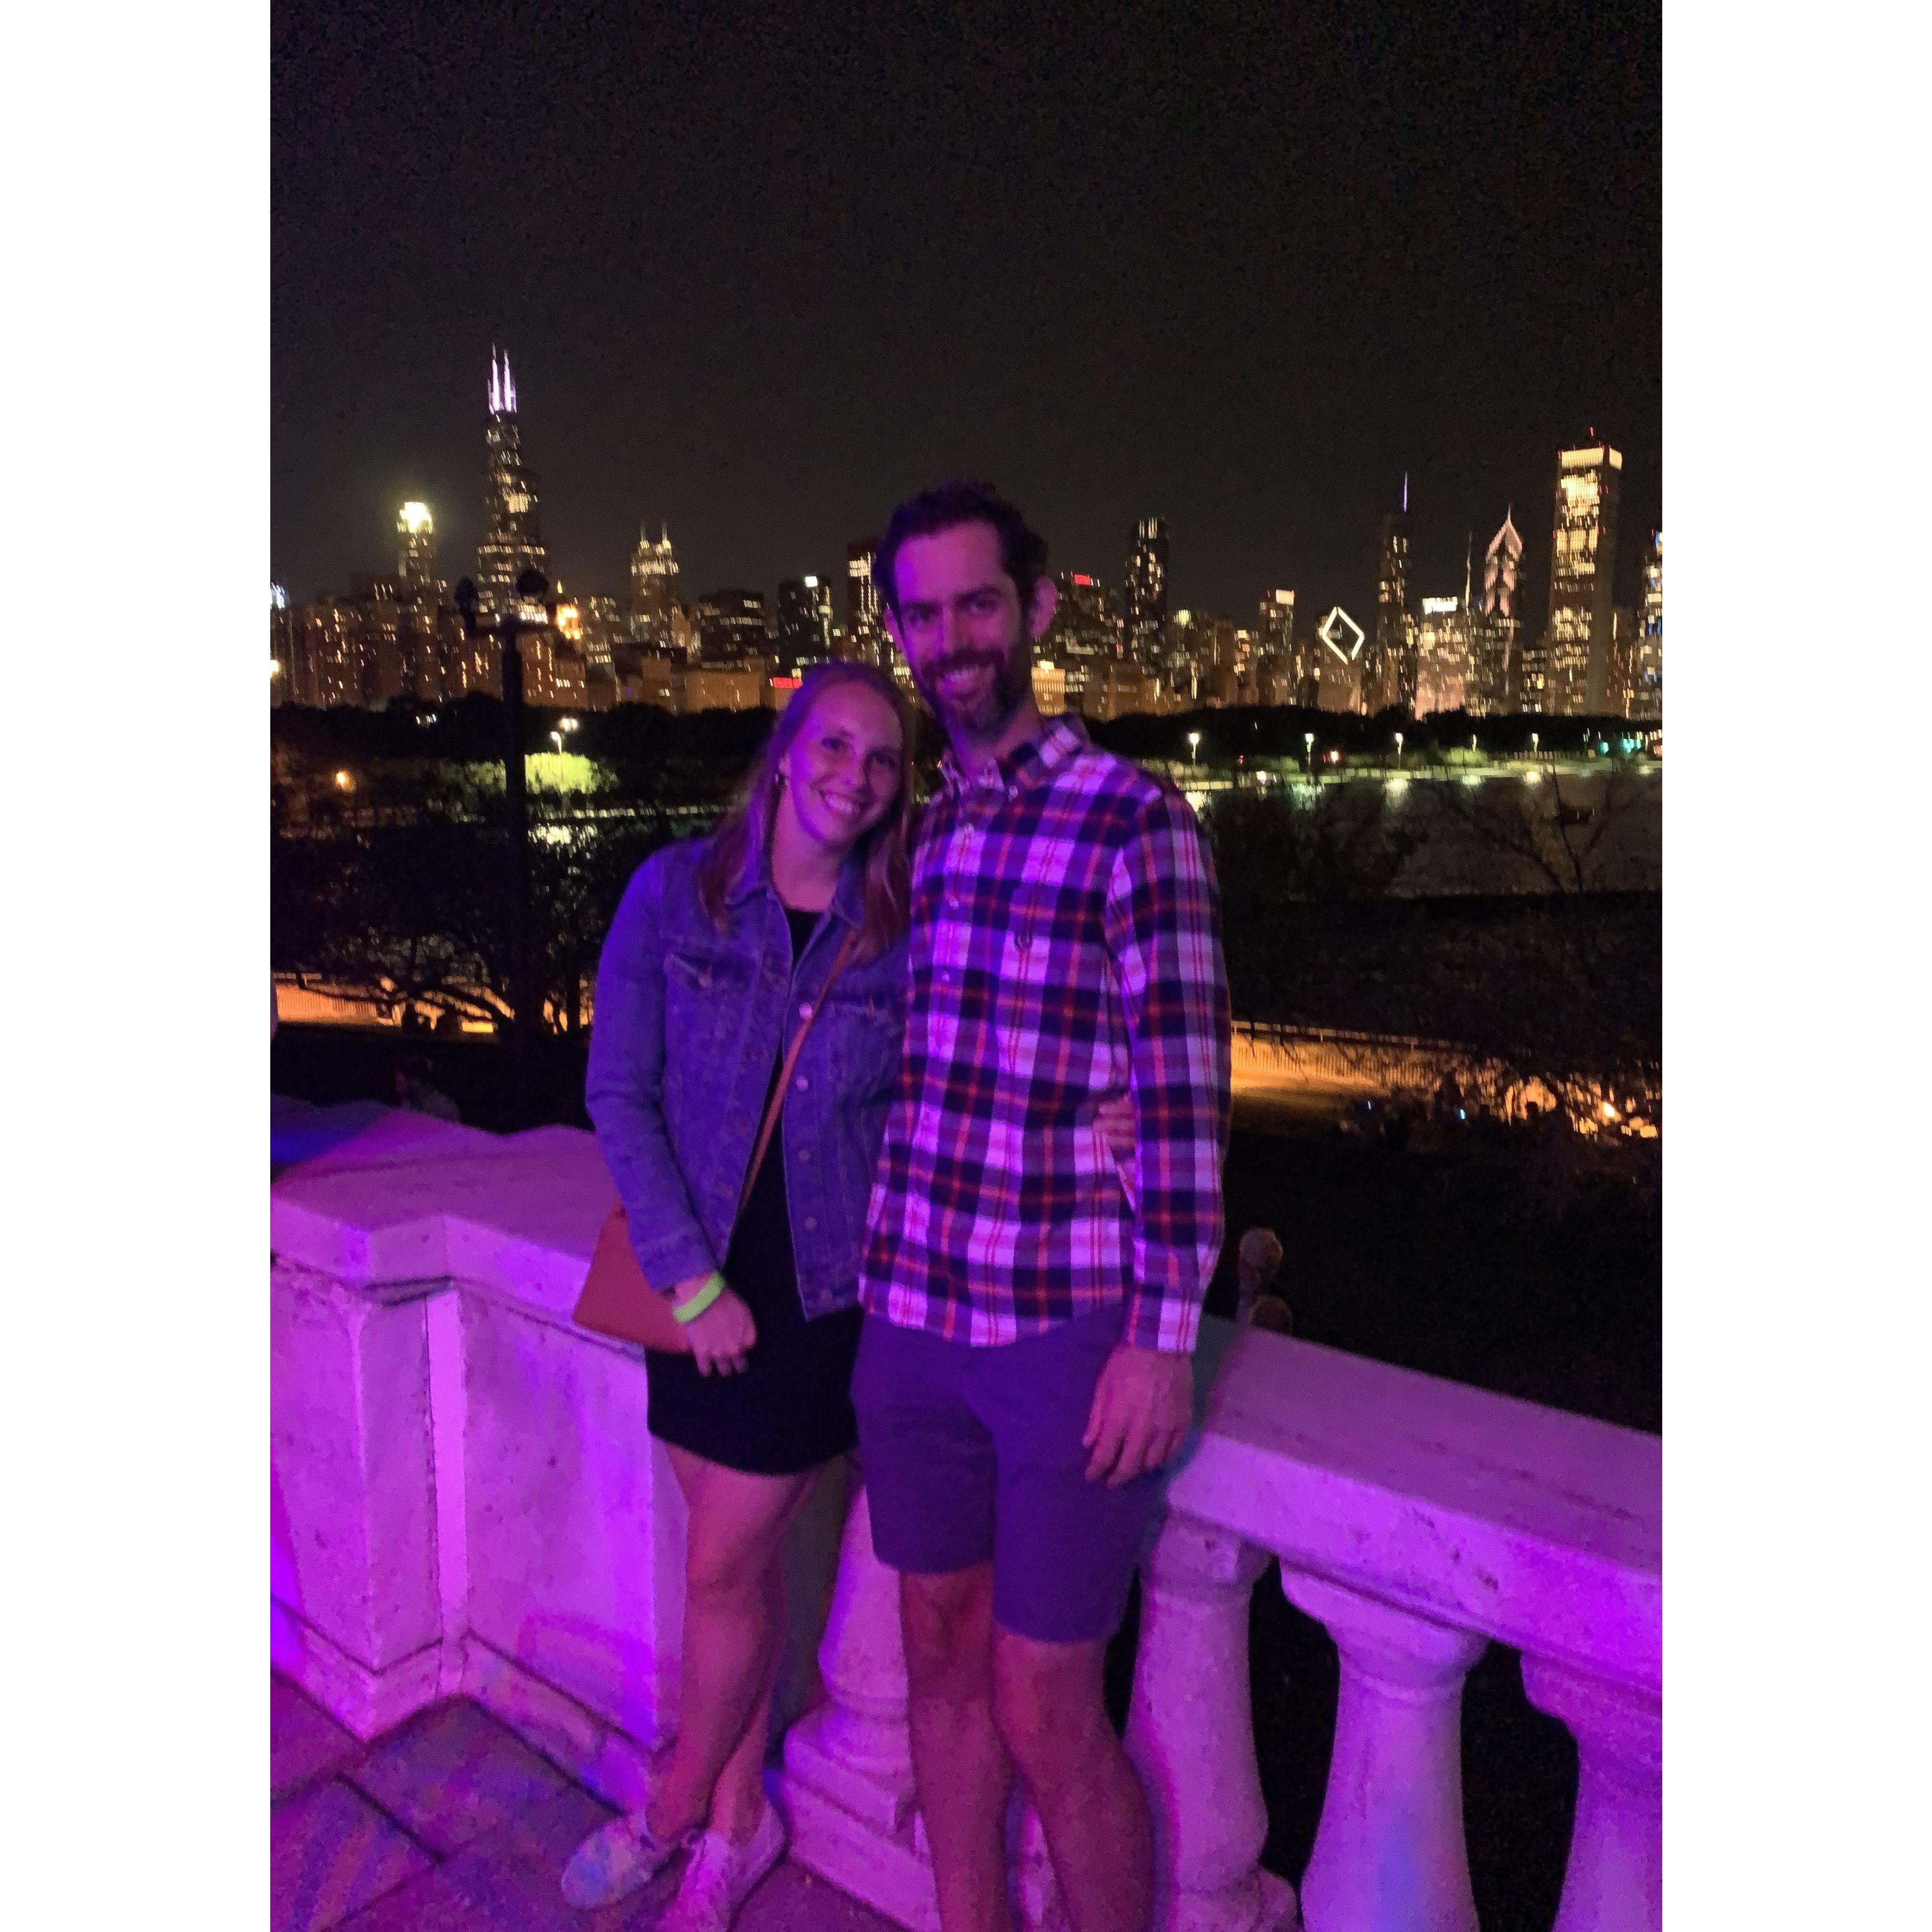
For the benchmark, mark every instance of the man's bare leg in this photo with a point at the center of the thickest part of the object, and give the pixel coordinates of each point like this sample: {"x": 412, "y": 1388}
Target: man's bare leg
{"x": 962, "y": 1769}
{"x": 1052, "y": 1718}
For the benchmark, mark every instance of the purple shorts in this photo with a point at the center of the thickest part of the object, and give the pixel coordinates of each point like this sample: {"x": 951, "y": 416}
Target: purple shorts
{"x": 975, "y": 1453}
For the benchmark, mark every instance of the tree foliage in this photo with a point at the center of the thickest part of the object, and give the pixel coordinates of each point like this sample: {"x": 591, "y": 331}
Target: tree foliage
{"x": 417, "y": 911}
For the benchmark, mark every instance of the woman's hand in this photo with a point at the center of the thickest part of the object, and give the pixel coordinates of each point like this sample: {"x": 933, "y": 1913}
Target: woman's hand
{"x": 721, "y": 1337}
{"x": 1114, "y": 1117}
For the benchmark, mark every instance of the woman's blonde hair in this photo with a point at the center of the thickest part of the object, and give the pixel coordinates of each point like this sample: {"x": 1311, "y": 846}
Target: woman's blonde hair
{"x": 738, "y": 847}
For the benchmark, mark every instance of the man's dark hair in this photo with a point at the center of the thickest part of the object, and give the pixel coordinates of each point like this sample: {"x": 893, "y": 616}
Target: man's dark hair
{"x": 1022, "y": 549}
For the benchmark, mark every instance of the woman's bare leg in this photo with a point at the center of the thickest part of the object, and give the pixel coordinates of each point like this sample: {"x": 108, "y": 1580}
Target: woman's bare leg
{"x": 732, "y": 1625}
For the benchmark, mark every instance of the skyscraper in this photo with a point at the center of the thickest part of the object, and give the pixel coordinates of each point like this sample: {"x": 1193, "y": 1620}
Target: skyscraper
{"x": 1275, "y": 627}
{"x": 653, "y": 587}
{"x": 1583, "y": 558}
{"x": 1646, "y": 704}
{"x": 731, "y": 626}
{"x": 1495, "y": 624}
{"x": 1146, "y": 594}
{"x": 1084, "y": 637}
{"x": 1442, "y": 656}
{"x": 804, "y": 624}
{"x": 1338, "y": 681}
{"x": 281, "y": 647}
{"x": 415, "y": 550}
{"x": 1388, "y": 673}
{"x": 865, "y": 638}
{"x": 512, "y": 538}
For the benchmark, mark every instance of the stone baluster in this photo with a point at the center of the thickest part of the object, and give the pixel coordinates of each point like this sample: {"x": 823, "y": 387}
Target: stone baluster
{"x": 1614, "y": 1879}
{"x": 1389, "y": 1853}
{"x": 1190, "y": 1733}
{"x": 859, "y": 1732}
{"x": 848, "y": 1779}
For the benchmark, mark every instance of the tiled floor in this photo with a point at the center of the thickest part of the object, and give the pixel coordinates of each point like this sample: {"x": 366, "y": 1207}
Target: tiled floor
{"x": 450, "y": 1823}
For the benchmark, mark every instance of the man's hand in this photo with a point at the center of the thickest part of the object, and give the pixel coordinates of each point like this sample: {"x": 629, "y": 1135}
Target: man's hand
{"x": 1143, "y": 1406}
{"x": 1114, "y": 1117}
{"x": 721, "y": 1337}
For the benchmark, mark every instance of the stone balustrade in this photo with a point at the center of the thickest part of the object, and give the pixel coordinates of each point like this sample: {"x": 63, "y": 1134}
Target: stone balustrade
{"x": 467, "y": 1500}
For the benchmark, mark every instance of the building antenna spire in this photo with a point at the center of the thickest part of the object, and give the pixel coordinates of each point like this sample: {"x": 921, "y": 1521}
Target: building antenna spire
{"x": 1468, "y": 568}
{"x": 1405, "y": 493}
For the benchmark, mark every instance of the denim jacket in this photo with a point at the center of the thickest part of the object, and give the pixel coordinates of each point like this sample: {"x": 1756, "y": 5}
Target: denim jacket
{"x": 689, "y": 1024}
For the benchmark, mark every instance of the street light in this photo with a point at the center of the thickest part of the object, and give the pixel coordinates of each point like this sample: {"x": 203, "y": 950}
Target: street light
{"x": 1308, "y": 746}
{"x": 1398, "y": 748}
{"x": 1194, "y": 746}
{"x": 1534, "y": 740}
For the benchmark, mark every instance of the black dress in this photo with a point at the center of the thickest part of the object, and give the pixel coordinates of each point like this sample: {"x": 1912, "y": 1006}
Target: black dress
{"x": 789, "y": 1408}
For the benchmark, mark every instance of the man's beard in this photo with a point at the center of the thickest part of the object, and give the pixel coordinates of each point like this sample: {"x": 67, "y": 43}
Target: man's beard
{"x": 984, "y": 716}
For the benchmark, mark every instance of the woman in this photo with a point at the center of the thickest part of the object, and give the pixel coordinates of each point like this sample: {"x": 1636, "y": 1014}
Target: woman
{"x": 720, "y": 953}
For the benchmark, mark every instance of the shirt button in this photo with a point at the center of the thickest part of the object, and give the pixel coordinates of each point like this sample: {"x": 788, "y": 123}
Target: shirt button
{"x": 804, "y": 1156}
{"x": 801, "y": 1083}
{"x": 810, "y": 1221}
{"x": 805, "y": 1009}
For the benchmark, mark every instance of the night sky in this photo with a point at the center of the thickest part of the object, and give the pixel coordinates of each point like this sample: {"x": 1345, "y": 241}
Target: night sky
{"x": 761, "y": 271}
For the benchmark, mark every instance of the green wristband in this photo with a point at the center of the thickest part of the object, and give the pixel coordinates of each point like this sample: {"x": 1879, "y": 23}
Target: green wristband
{"x": 689, "y": 1311}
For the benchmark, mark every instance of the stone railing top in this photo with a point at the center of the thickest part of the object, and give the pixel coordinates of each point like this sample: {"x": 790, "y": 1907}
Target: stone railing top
{"x": 1540, "y": 1528}
{"x": 411, "y": 1200}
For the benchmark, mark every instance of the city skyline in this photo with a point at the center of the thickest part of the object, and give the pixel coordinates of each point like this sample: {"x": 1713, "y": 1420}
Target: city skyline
{"x": 1106, "y": 652}
{"x": 1283, "y": 263}
{"x": 511, "y": 538}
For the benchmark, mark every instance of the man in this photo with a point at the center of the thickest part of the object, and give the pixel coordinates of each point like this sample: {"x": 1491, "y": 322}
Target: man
{"x": 1031, "y": 1302}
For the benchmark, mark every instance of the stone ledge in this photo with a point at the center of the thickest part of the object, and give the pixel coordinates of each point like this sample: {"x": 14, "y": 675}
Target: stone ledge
{"x": 1539, "y": 1529}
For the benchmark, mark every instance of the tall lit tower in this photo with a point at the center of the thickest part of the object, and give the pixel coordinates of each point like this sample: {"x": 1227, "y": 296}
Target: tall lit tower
{"x": 415, "y": 549}
{"x": 653, "y": 586}
{"x": 1583, "y": 557}
{"x": 1647, "y": 676}
{"x": 804, "y": 623}
{"x": 865, "y": 638}
{"x": 1147, "y": 593}
{"x": 1494, "y": 624}
{"x": 512, "y": 538}
{"x": 1389, "y": 675}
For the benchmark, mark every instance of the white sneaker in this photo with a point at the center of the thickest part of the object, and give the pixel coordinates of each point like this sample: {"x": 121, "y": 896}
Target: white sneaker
{"x": 613, "y": 1861}
{"x": 721, "y": 1876}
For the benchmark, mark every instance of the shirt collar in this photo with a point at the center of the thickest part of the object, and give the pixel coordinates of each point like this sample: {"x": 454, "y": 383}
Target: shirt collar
{"x": 1025, "y": 766}
{"x": 848, "y": 896}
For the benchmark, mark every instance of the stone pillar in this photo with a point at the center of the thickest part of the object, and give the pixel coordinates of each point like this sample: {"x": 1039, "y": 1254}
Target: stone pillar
{"x": 1389, "y": 1854}
{"x": 1190, "y": 1733}
{"x": 358, "y": 1610}
{"x": 848, "y": 1782}
{"x": 1614, "y": 1879}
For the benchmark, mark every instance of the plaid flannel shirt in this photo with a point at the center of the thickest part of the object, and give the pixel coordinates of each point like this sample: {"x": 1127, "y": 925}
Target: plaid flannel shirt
{"x": 1065, "y": 948}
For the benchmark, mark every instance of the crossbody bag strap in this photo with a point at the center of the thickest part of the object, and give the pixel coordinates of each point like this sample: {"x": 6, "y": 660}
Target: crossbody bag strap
{"x": 777, "y": 1101}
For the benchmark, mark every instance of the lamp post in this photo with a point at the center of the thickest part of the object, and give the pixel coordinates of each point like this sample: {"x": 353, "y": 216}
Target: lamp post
{"x": 1308, "y": 747}
{"x": 1398, "y": 751}
{"x": 532, "y": 587}
{"x": 1194, "y": 747}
